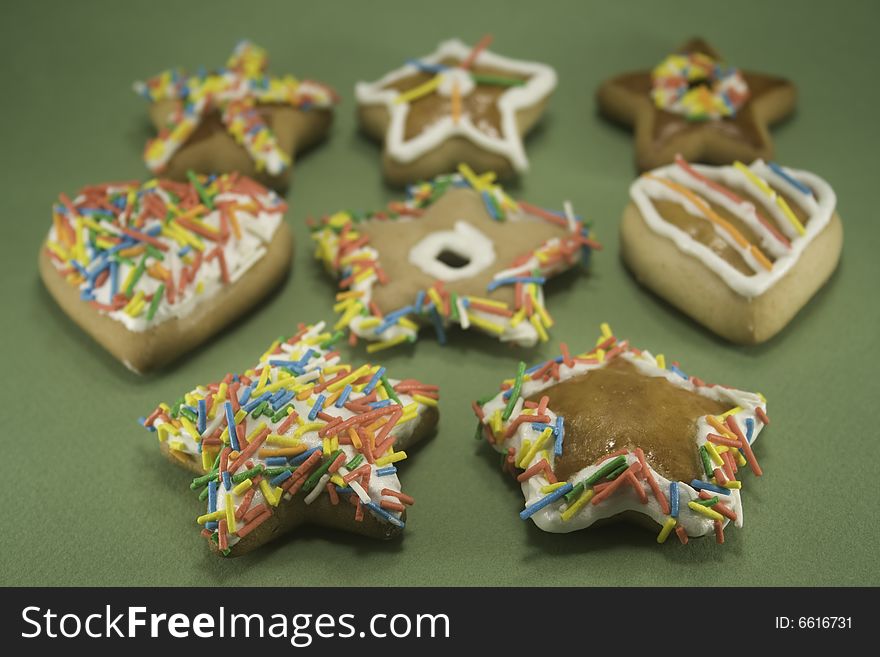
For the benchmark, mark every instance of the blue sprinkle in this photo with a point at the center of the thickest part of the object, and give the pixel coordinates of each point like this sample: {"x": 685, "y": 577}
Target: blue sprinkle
{"x": 705, "y": 485}
{"x": 424, "y": 67}
{"x": 673, "y": 499}
{"x": 203, "y": 416}
{"x": 306, "y": 357}
{"x": 276, "y": 461}
{"x": 142, "y": 421}
{"x": 560, "y": 435}
{"x": 340, "y": 401}
{"x": 750, "y": 428}
{"x": 227, "y": 480}
{"x": 494, "y": 285}
{"x": 535, "y": 368}
{"x": 212, "y": 496}
{"x": 673, "y": 368}
{"x": 380, "y": 404}
{"x": 230, "y": 424}
{"x": 253, "y": 403}
{"x": 344, "y": 490}
{"x": 87, "y": 295}
{"x": 420, "y": 299}
{"x": 387, "y": 470}
{"x": 246, "y": 395}
{"x": 437, "y": 320}
{"x": 540, "y": 426}
{"x": 384, "y": 515}
{"x": 785, "y": 175}
{"x": 184, "y": 250}
{"x": 319, "y": 404}
{"x": 529, "y": 511}
{"x": 281, "y": 401}
{"x": 277, "y": 481}
{"x": 300, "y": 458}
{"x": 376, "y": 378}
{"x": 80, "y": 268}
{"x": 212, "y": 525}
{"x": 490, "y": 207}
{"x": 114, "y": 278}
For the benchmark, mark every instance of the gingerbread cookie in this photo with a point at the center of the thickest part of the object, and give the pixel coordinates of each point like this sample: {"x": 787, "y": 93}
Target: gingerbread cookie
{"x": 300, "y": 438}
{"x": 459, "y": 251}
{"x": 739, "y": 249}
{"x": 458, "y": 104}
{"x": 152, "y": 270}
{"x": 236, "y": 119}
{"x": 696, "y": 104}
{"x": 616, "y": 432}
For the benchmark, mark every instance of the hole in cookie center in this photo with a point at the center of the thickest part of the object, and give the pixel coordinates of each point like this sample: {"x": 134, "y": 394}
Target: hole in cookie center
{"x": 453, "y": 259}
{"x": 701, "y": 82}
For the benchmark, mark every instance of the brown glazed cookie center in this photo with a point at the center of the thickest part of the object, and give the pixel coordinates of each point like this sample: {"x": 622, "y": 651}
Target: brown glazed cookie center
{"x": 617, "y": 407}
{"x": 481, "y": 105}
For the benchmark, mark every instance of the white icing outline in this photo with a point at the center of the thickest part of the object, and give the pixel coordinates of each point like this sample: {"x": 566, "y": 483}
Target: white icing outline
{"x": 820, "y": 207}
{"x": 541, "y": 83}
{"x": 549, "y": 518}
{"x": 465, "y": 240}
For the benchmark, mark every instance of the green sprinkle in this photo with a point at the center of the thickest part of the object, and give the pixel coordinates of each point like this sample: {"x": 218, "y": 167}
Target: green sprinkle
{"x": 355, "y": 462}
{"x": 514, "y": 393}
{"x": 574, "y": 493}
{"x": 192, "y": 417}
{"x": 619, "y": 471}
{"x": 497, "y": 80}
{"x": 153, "y": 252}
{"x": 282, "y": 412}
{"x": 137, "y": 275}
{"x": 204, "y": 494}
{"x": 478, "y": 435}
{"x": 712, "y": 501}
{"x": 247, "y": 474}
{"x": 216, "y": 466}
{"x": 333, "y": 339}
{"x": 194, "y": 179}
{"x": 453, "y": 306}
{"x": 274, "y": 472}
{"x": 175, "y": 410}
{"x": 312, "y": 481}
{"x": 605, "y": 470}
{"x": 389, "y": 390}
{"x": 204, "y": 479}
{"x": 154, "y": 304}
{"x": 707, "y": 464}
{"x": 259, "y": 409}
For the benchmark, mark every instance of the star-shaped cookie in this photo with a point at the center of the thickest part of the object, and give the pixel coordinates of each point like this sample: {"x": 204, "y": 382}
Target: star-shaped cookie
{"x": 300, "y": 438}
{"x": 458, "y": 104}
{"x": 459, "y": 251}
{"x": 734, "y": 125}
{"x": 616, "y": 431}
{"x": 235, "y": 119}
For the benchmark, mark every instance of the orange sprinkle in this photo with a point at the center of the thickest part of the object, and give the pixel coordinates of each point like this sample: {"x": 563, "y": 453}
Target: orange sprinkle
{"x": 456, "y": 102}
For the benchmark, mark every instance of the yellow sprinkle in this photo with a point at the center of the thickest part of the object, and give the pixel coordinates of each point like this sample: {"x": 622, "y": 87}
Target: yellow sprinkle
{"x": 486, "y": 325}
{"x": 578, "y": 504}
{"x": 221, "y": 394}
{"x": 489, "y": 302}
{"x": 242, "y": 414}
{"x": 390, "y": 458}
{"x": 732, "y": 411}
{"x": 661, "y": 361}
{"x": 355, "y": 438}
{"x": 190, "y": 429}
{"x": 713, "y": 453}
{"x": 230, "y": 514}
{"x": 733, "y": 483}
{"x": 407, "y": 323}
{"x": 268, "y": 493}
{"x": 337, "y": 480}
{"x": 200, "y": 287}
{"x": 308, "y": 426}
{"x": 369, "y": 322}
{"x": 518, "y": 317}
{"x": 721, "y": 428}
{"x": 419, "y": 91}
{"x": 535, "y": 320}
{"x": 495, "y": 423}
{"x": 282, "y": 441}
{"x": 380, "y": 346}
{"x": 722, "y": 448}
{"x": 325, "y": 446}
{"x": 705, "y": 510}
{"x": 243, "y": 487}
{"x": 773, "y": 196}
{"x": 177, "y": 445}
{"x": 434, "y": 296}
{"x": 529, "y": 454}
{"x": 549, "y": 488}
{"x": 427, "y": 401}
{"x": 344, "y": 381}
{"x": 668, "y": 526}
{"x": 208, "y": 517}
{"x": 58, "y": 250}
{"x": 606, "y": 330}
{"x": 207, "y": 458}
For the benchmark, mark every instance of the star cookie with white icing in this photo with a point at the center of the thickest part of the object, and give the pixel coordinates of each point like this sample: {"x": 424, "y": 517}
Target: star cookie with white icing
{"x": 615, "y": 431}
{"x": 301, "y": 438}
{"x": 458, "y": 104}
{"x": 458, "y": 251}
{"x": 237, "y": 118}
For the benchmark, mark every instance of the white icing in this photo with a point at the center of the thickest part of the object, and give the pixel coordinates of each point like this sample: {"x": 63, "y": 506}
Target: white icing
{"x": 624, "y": 499}
{"x": 456, "y": 77}
{"x": 188, "y": 444}
{"x": 540, "y": 83}
{"x": 820, "y": 208}
{"x": 257, "y": 231}
{"x": 465, "y": 241}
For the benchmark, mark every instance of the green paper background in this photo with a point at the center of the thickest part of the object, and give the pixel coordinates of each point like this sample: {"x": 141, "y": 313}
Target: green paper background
{"x": 87, "y": 498}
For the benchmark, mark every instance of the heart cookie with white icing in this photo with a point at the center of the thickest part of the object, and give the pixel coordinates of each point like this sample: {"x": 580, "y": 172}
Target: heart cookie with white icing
{"x": 616, "y": 432}
{"x": 458, "y": 104}
{"x": 458, "y": 251}
{"x": 741, "y": 249}
{"x": 301, "y": 438}
{"x": 152, "y": 270}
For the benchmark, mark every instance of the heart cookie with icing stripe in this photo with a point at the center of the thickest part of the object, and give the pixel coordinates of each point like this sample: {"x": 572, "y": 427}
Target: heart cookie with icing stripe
{"x": 741, "y": 249}
{"x": 458, "y": 251}
{"x": 615, "y": 432}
